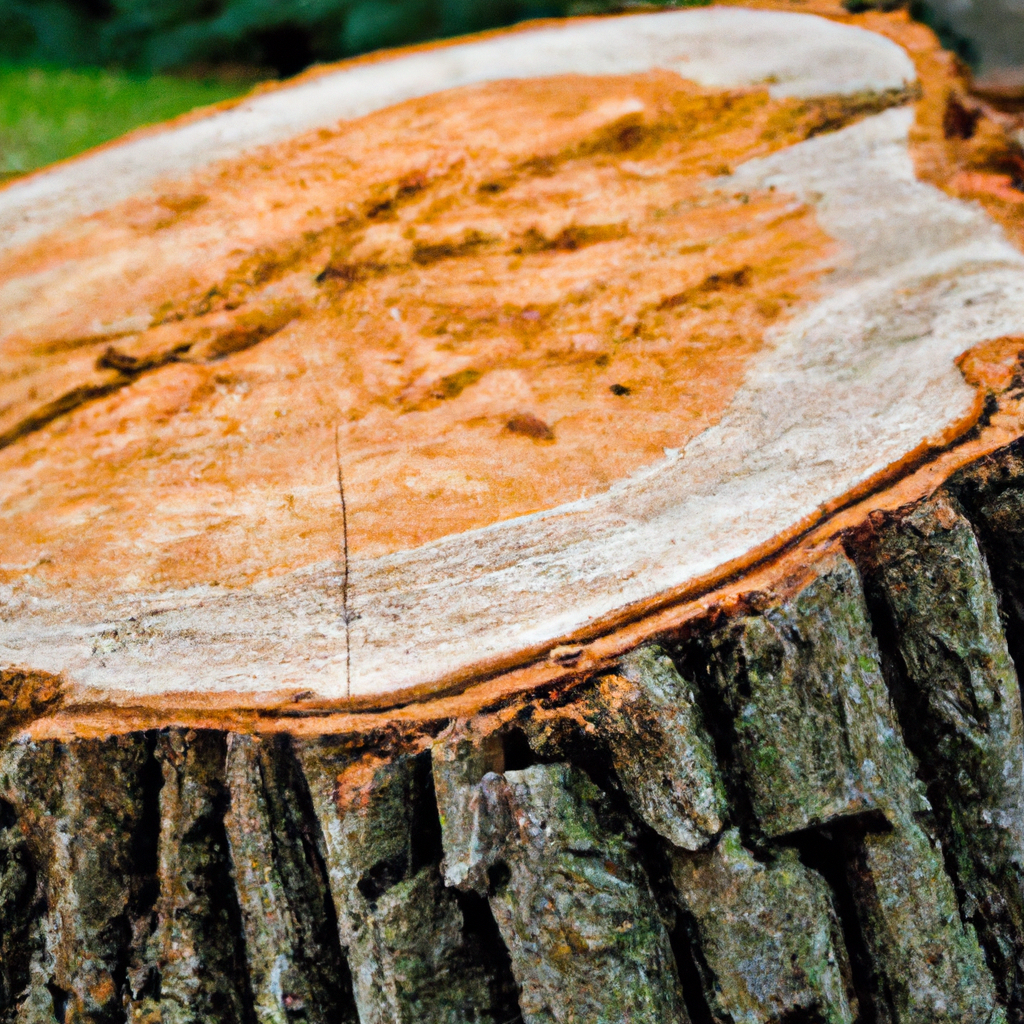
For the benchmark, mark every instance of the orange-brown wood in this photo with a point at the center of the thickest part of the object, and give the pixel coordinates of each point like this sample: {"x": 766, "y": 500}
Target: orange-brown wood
{"x": 432, "y": 336}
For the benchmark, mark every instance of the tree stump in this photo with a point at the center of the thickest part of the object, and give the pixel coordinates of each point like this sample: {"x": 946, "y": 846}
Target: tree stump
{"x": 523, "y": 529}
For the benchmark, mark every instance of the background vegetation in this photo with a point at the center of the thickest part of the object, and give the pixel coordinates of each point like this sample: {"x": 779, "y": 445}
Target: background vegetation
{"x": 276, "y": 36}
{"x": 47, "y": 114}
{"x": 74, "y": 73}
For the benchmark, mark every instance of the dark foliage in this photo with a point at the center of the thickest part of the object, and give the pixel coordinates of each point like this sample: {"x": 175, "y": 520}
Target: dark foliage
{"x": 269, "y": 36}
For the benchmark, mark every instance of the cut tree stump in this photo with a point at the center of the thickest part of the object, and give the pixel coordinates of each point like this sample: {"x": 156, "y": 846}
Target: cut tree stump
{"x": 523, "y": 529}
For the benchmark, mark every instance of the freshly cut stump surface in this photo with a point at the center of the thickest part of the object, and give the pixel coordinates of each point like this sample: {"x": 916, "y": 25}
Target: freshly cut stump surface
{"x": 673, "y": 365}
{"x": 596, "y": 315}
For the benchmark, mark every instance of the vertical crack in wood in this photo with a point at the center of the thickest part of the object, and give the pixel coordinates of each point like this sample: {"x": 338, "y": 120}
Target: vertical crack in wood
{"x": 344, "y": 570}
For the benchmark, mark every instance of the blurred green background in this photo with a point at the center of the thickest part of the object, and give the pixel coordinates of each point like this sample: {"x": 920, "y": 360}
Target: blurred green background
{"x": 74, "y": 73}
{"x": 279, "y": 36}
{"x": 49, "y": 113}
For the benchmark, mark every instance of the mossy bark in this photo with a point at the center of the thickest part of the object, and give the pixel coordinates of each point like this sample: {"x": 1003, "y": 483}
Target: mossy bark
{"x": 959, "y": 703}
{"x": 769, "y": 934}
{"x": 818, "y": 745}
{"x": 571, "y": 898}
{"x": 928, "y": 966}
{"x": 816, "y": 736}
{"x": 80, "y": 807}
{"x": 296, "y": 967}
{"x": 192, "y": 965}
{"x": 413, "y": 954}
{"x": 659, "y": 748}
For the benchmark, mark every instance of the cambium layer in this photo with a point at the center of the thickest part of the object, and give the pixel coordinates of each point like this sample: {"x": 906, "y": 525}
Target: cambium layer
{"x": 811, "y": 809}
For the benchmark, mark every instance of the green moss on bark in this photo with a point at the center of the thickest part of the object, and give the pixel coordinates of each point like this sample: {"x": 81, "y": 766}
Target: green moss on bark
{"x": 660, "y": 750}
{"x": 959, "y": 704}
{"x": 295, "y": 964}
{"x": 413, "y": 956}
{"x": 80, "y": 808}
{"x": 191, "y": 969}
{"x": 575, "y": 907}
{"x": 768, "y": 933}
{"x": 928, "y": 966}
{"x": 816, "y": 737}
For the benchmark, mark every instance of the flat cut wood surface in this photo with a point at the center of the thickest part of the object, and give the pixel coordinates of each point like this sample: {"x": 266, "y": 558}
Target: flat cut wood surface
{"x": 587, "y": 339}
{"x": 528, "y": 296}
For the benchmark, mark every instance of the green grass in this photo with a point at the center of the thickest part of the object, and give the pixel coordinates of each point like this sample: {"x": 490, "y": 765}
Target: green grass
{"x": 49, "y": 114}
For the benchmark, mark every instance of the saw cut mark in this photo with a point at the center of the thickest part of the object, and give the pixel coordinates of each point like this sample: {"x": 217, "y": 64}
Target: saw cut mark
{"x": 790, "y": 388}
{"x": 245, "y": 284}
{"x": 800, "y": 55}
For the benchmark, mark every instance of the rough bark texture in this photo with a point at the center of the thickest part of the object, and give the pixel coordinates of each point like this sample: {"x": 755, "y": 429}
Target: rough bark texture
{"x": 808, "y": 812}
{"x": 651, "y": 728}
{"x": 412, "y": 949}
{"x": 952, "y": 678}
{"x": 191, "y": 967}
{"x": 82, "y": 807}
{"x": 815, "y": 736}
{"x": 295, "y": 963}
{"x": 572, "y": 901}
{"x": 927, "y": 965}
{"x": 769, "y": 935}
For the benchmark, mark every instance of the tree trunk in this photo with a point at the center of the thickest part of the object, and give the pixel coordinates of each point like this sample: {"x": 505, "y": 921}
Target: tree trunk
{"x": 737, "y": 738}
